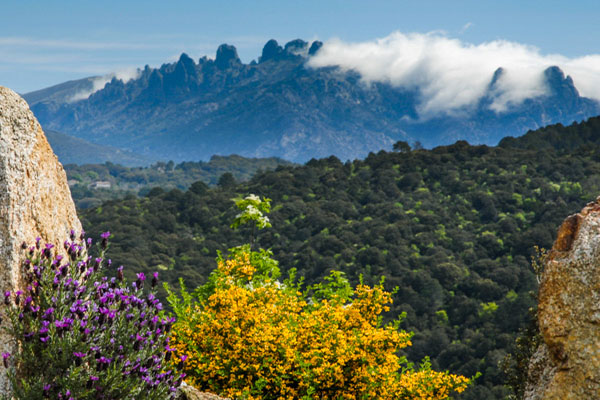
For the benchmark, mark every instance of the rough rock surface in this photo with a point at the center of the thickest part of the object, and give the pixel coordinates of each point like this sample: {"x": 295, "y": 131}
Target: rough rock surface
{"x": 567, "y": 364}
{"x": 187, "y": 392}
{"x": 34, "y": 196}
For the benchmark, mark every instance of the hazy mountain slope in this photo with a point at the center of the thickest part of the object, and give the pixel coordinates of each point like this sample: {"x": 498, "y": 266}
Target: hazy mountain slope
{"x": 280, "y": 107}
{"x": 72, "y": 150}
{"x": 61, "y": 93}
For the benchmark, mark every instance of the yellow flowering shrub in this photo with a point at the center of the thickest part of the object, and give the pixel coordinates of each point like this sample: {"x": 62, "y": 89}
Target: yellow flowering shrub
{"x": 247, "y": 336}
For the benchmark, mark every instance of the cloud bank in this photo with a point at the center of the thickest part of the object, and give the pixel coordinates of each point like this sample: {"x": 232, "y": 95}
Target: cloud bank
{"x": 99, "y": 82}
{"x": 451, "y": 75}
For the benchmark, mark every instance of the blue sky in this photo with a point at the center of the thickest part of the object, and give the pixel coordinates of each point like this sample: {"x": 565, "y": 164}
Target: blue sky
{"x": 45, "y": 42}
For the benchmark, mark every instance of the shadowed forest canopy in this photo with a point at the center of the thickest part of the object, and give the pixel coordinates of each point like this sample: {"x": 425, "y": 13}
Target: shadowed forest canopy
{"x": 453, "y": 228}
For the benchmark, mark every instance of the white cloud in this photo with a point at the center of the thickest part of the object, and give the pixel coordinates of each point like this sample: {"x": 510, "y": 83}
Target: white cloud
{"x": 98, "y": 83}
{"x": 451, "y": 75}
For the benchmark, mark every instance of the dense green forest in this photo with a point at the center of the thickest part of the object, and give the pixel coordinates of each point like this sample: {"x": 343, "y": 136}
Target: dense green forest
{"x": 125, "y": 181}
{"x": 454, "y": 228}
{"x": 558, "y": 137}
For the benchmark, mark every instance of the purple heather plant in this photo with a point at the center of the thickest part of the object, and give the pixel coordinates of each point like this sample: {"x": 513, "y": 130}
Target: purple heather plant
{"x": 81, "y": 335}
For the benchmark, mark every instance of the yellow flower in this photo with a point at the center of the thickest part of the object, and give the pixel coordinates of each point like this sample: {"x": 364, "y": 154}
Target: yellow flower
{"x": 266, "y": 341}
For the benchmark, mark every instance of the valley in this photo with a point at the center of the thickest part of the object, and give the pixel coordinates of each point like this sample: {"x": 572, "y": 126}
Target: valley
{"x": 453, "y": 228}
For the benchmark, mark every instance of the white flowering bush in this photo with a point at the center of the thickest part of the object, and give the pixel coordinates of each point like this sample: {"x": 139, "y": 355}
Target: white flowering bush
{"x": 252, "y": 210}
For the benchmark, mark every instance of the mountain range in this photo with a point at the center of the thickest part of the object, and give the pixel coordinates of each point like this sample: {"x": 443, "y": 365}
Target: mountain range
{"x": 280, "y": 106}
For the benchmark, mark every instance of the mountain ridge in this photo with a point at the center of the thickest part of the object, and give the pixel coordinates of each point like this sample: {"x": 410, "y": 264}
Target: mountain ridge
{"x": 280, "y": 106}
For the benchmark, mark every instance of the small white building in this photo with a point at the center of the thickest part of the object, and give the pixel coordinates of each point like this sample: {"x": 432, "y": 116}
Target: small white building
{"x": 100, "y": 185}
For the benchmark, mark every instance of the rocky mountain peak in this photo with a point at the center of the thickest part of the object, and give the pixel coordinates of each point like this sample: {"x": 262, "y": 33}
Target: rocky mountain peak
{"x": 314, "y": 47}
{"x": 187, "y": 62}
{"x": 498, "y": 73}
{"x": 560, "y": 85}
{"x": 295, "y": 46}
{"x": 227, "y": 57}
{"x": 271, "y": 51}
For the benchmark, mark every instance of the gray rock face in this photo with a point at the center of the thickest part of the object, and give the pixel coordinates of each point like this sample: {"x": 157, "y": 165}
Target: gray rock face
{"x": 187, "y": 392}
{"x": 34, "y": 196}
{"x": 567, "y": 364}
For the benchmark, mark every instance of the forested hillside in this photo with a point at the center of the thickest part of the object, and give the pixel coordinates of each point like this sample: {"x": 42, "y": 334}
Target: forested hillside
{"x": 453, "y": 228}
{"x": 119, "y": 181}
{"x": 558, "y": 137}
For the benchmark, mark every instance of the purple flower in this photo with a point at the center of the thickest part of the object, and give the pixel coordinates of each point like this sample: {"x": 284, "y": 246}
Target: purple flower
{"x": 5, "y": 357}
{"x": 104, "y": 237}
{"x": 65, "y": 323}
{"x": 48, "y": 313}
{"x": 79, "y": 357}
